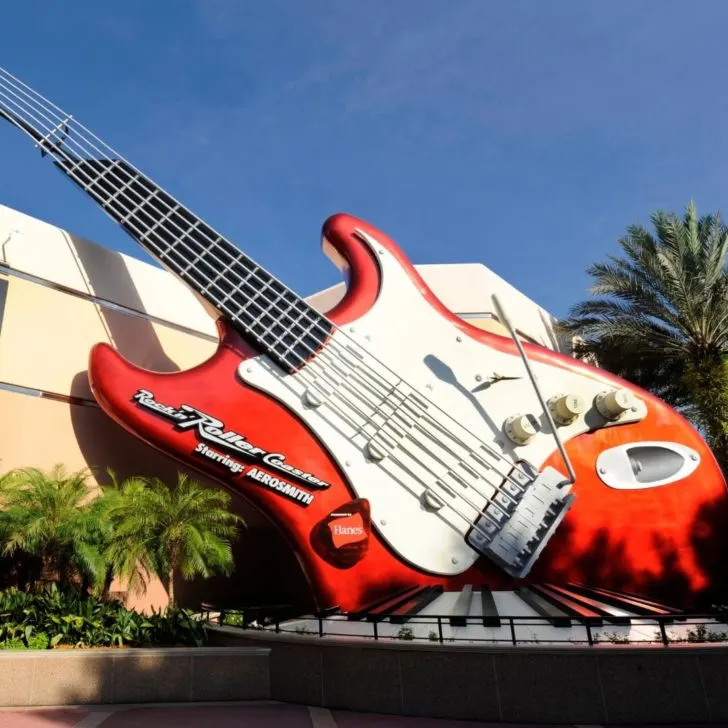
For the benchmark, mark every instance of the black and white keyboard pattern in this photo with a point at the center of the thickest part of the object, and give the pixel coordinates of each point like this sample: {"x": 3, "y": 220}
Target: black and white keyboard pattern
{"x": 535, "y": 614}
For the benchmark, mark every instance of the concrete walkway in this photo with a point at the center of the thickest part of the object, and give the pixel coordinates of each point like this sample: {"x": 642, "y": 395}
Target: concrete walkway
{"x": 223, "y": 715}
{"x": 214, "y": 715}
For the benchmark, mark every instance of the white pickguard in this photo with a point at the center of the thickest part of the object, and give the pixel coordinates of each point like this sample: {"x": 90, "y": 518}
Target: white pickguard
{"x": 447, "y": 368}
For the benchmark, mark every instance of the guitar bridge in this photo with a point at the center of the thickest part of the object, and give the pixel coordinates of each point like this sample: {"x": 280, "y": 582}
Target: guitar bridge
{"x": 517, "y": 524}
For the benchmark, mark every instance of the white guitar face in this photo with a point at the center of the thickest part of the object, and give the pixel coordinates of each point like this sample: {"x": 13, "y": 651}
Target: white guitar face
{"x": 431, "y": 453}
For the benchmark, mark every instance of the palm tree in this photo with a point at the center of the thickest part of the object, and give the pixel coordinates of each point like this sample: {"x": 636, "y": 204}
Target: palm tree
{"x": 48, "y": 515}
{"x": 660, "y": 317}
{"x": 185, "y": 530}
{"x": 7, "y": 482}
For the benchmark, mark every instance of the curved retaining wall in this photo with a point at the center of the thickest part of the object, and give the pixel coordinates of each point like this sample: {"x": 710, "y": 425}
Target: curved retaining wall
{"x": 77, "y": 677}
{"x": 600, "y": 685}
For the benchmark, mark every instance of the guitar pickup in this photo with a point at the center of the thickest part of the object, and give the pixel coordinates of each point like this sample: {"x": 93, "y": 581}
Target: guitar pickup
{"x": 515, "y": 527}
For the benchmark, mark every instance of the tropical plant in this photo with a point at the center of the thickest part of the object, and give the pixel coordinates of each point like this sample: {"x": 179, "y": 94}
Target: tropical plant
{"x": 186, "y": 530}
{"x": 233, "y": 619}
{"x": 7, "y": 480}
{"x": 117, "y": 538}
{"x": 48, "y": 515}
{"x": 49, "y": 618}
{"x": 660, "y": 317}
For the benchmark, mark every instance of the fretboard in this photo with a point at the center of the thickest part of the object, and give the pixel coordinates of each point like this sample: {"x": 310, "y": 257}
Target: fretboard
{"x": 263, "y": 309}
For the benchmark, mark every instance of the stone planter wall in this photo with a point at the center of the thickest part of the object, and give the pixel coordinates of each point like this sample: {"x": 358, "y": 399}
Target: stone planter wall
{"x": 594, "y": 686}
{"x": 73, "y": 677}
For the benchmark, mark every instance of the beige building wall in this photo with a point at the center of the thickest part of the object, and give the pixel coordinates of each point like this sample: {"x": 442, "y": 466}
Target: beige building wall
{"x": 467, "y": 289}
{"x": 60, "y": 295}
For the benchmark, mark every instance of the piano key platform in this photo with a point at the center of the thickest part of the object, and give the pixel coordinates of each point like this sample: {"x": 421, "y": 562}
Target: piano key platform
{"x": 535, "y": 614}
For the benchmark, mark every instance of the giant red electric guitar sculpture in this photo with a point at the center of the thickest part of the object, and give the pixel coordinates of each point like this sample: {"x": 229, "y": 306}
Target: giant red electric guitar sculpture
{"x": 392, "y": 443}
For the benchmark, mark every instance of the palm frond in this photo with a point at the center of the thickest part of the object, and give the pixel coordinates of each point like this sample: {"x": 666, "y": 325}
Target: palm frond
{"x": 660, "y": 310}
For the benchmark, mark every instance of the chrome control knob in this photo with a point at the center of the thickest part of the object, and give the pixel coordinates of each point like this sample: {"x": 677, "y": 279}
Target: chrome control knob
{"x": 613, "y": 403}
{"x": 565, "y": 408}
{"x": 521, "y": 428}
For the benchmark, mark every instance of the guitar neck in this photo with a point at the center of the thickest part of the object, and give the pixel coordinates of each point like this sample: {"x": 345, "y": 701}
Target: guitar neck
{"x": 262, "y": 308}
{"x": 265, "y": 311}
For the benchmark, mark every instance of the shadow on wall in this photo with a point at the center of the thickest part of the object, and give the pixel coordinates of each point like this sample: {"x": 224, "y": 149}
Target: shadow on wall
{"x": 109, "y": 278}
{"x": 605, "y": 563}
{"x": 265, "y": 565}
{"x": 266, "y": 569}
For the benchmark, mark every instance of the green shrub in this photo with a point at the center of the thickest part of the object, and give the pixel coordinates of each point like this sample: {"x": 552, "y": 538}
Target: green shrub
{"x": 233, "y": 619}
{"x": 405, "y": 633}
{"x": 14, "y": 644}
{"x": 613, "y": 637}
{"x": 50, "y": 618}
{"x": 39, "y": 641}
{"x": 702, "y": 634}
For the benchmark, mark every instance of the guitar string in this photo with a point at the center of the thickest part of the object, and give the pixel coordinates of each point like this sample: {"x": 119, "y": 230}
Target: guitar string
{"x": 364, "y": 415}
{"x": 387, "y": 384}
{"x": 467, "y": 519}
{"x": 449, "y": 466}
{"x": 214, "y": 244}
{"x": 44, "y": 106}
{"x": 442, "y": 462}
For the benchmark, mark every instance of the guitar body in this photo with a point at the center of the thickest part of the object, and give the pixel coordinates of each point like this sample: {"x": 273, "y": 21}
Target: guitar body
{"x": 401, "y": 447}
{"x": 357, "y": 531}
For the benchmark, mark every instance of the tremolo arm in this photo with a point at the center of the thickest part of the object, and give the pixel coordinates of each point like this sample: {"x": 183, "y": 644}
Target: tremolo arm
{"x": 508, "y": 510}
{"x": 515, "y": 537}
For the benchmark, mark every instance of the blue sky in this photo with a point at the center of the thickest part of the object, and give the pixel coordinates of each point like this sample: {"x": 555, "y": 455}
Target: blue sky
{"x": 525, "y": 135}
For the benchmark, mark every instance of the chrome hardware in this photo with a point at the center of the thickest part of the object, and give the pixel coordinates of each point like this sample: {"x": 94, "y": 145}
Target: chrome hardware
{"x": 506, "y": 320}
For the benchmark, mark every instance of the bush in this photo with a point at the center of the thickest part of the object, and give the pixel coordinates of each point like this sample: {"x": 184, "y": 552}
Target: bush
{"x": 52, "y": 618}
{"x": 233, "y": 619}
{"x": 702, "y": 634}
{"x": 613, "y": 637}
{"x": 38, "y": 641}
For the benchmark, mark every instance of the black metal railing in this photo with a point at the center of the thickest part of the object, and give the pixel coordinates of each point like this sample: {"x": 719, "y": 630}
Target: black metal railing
{"x": 701, "y": 628}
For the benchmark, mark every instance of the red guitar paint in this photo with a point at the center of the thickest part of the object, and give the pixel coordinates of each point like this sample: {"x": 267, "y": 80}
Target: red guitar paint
{"x": 638, "y": 526}
{"x": 647, "y": 539}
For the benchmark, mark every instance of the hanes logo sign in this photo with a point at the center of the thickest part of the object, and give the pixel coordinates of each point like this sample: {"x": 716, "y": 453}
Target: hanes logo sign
{"x": 349, "y": 529}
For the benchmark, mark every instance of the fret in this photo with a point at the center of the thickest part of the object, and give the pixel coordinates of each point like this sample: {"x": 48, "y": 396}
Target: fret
{"x": 209, "y": 295}
{"x": 173, "y": 247}
{"x": 244, "y": 280}
{"x": 78, "y": 164}
{"x": 159, "y": 222}
{"x": 301, "y": 339}
{"x": 286, "y": 344}
{"x": 189, "y": 243}
{"x": 252, "y": 299}
{"x": 225, "y": 270}
{"x": 287, "y": 333}
{"x": 299, "y": 329}
{"x": 119, "y": 192}
{"x": 204, "y": 251}
{"x": 258, "y": 323}
{"x": 303, "y": 315}
{"x": 114, "y": 165}
{"x": 137, "y": 208}
{"x": 259, "y": 306}
{"x": 61, "y": 129}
